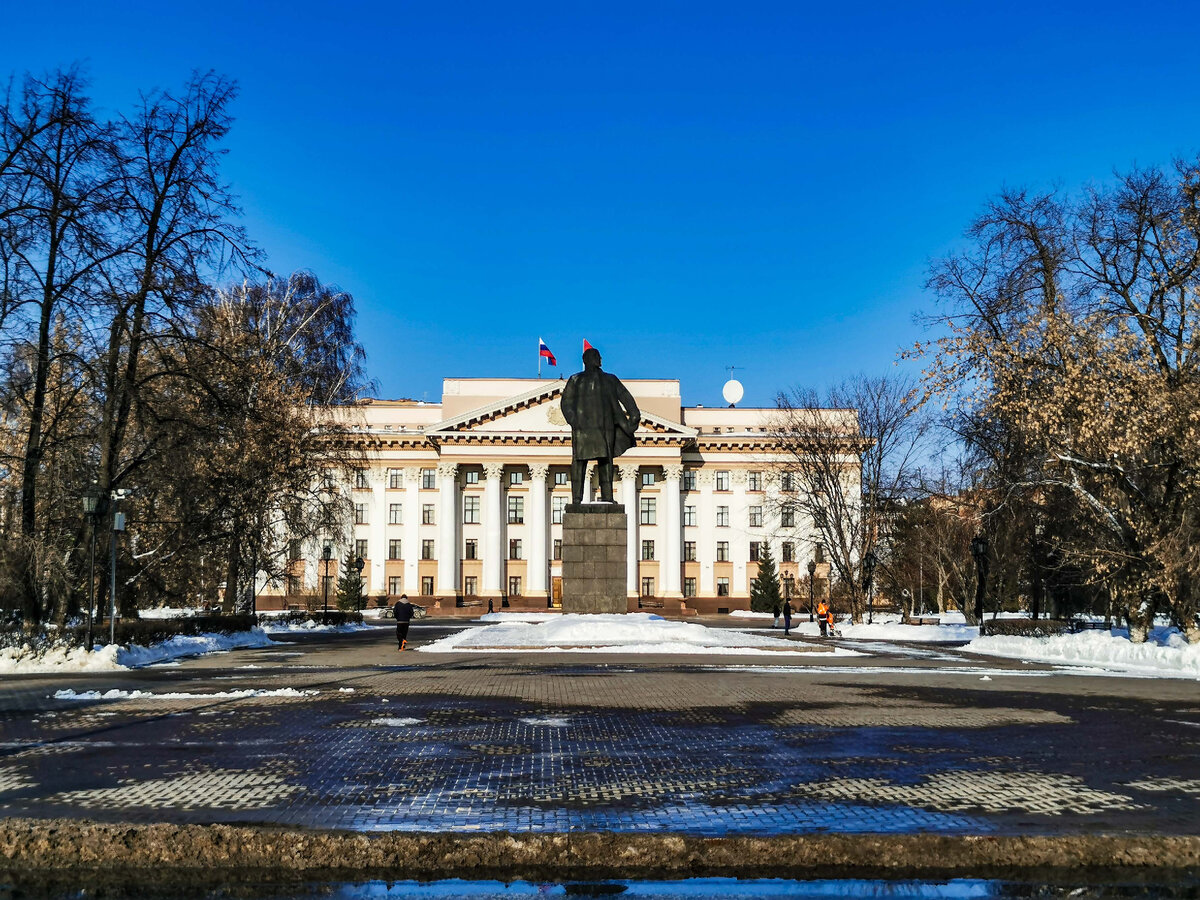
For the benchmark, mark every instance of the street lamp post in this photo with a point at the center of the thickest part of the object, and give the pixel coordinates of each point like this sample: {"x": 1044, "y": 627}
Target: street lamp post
{"x": 117, "y": 527}
{"x": 358, "y": 565}
{"x": 868, "y": 577}
{"x": 812, "y": 576}
{"x": 788, "y": 583}
{"x": 327, "y": 555}
{"x": 979, "y": 549}
{"x": 90, "y": 500}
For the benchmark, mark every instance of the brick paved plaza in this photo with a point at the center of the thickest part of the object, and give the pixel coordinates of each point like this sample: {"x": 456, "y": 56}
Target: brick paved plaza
{"x": 896, "y": 740}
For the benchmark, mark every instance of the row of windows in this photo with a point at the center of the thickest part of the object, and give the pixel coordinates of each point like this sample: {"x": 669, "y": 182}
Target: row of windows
{"x": 395, "y": 586}
{"x": 428, "y": 478}
{"x": 647, "y": 513}
{"x": 515, "y": 550}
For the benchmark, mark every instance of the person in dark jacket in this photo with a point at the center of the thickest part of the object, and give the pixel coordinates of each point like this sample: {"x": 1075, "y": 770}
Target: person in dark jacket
{"x": 603, "y": 418}
{"x": 403, "y": 611}
{"x": 787, "y": 616}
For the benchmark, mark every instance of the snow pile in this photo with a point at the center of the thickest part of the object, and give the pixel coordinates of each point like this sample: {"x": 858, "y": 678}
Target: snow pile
{"x": 519, "y": 616}
{"x": 892, "y": 630}
{"x": 1166, "y": 654}
{"x": 67, "y": 660}
{"x": 623, "y": 633}
{"x": 25, "y": 660}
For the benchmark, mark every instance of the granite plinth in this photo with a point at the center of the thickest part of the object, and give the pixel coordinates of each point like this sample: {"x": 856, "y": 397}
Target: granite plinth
{"x": 595, "y": 554}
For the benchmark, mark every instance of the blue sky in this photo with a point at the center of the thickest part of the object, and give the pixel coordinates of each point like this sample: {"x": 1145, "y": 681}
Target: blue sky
{"x": 686, "y": 185}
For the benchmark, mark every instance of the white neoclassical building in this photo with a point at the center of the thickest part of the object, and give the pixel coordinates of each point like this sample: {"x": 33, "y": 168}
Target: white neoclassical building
{"x": 462, "y": 501}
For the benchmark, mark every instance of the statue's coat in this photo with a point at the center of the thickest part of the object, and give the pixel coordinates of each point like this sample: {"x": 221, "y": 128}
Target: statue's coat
{"x": 601, "y": 412}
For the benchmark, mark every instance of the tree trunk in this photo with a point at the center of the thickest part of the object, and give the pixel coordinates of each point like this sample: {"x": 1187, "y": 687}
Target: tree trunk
{"x": 232, "y": 572}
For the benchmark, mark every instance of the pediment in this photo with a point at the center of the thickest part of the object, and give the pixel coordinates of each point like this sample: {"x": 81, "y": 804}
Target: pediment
{"x": 537, "y": 412}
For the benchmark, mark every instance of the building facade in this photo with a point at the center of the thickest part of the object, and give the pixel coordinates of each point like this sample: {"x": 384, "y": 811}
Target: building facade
{"x": 462, "y": 500}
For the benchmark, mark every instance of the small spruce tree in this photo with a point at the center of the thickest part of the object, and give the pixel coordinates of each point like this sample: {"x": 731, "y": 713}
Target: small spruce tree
{"x": 349, "y": 584}
{"x": 764, "y": 589}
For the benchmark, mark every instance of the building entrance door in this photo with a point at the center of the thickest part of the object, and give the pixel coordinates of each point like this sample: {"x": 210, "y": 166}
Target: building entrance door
{"x": 556, "y": 592}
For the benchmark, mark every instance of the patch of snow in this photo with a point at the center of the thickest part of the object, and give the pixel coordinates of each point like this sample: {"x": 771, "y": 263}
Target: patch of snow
{"x": 25, "y": 660}
{"x": 116, "y": 694}
{"x": 311, "y": 626}
{"x": 1167, "y": 654}
{"x": 519, "y": 617}
{"x": 610, "y": 633}
{"x": 396, "y": 722}
{"x": 546, "y": 721}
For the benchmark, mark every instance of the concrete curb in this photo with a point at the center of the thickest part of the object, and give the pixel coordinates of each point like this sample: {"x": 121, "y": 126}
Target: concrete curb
{"x": 28, "y": 846}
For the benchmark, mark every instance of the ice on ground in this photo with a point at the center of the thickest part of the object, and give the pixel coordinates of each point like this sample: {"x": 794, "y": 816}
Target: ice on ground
{"x": 116, "y": 694}
{"x": 1167, "y": 654}
{"x": 618, "y": 632}
{"x": 396, "y": 722}
{"x": 546, "y": 721}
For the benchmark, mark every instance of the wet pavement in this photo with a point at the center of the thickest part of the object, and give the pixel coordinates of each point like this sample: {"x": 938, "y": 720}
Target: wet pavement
{"x": 343, "y": 732}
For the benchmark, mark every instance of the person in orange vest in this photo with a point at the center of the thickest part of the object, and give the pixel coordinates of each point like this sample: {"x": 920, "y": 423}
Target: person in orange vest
{"x": 823, "y": 616}
{"x": 829, "y": 620}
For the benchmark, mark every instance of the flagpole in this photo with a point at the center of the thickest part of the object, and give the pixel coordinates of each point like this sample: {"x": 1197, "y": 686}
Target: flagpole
{"x": 539, "y": 358}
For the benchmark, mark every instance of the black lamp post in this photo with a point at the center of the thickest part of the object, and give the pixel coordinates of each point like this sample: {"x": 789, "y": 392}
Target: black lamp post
{"x": 979, "y": 549}
{"x": 327, "y": 555}
{"x": 868, "y": 576}
{"x": 788, "y": 583}
{"x": 812, "y": 577}
{"x": 358, "y": 565}
{"x": 90, "y": 501}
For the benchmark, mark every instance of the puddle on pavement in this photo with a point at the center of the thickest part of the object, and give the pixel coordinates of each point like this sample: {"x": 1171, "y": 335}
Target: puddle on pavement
{"x": 1175, "y": 885}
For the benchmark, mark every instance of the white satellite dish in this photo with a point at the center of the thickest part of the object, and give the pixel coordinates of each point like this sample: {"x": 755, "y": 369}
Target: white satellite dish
{"x": 732, "y": 392}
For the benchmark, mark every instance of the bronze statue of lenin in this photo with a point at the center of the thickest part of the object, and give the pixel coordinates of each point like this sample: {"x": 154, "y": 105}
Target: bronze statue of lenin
{"x": 603, "y": 418}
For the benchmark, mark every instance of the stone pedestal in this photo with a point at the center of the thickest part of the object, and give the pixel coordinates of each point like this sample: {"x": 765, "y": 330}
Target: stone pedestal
{"x": 594, "y": 555}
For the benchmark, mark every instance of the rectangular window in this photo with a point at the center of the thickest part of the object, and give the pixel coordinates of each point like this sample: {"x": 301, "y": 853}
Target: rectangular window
{"x": 557, "y": 505}
{"x": 648, "y": 478}
{"x": 470, "y": 585}
{"x": 427, "y": 585}
{"x": 295, "y": 549}
{"x": 787, "y": 517}
{"x": 819, "y": 553}
{"x": 788, "y": 553}
{"x": 395, "y": 479}
{"x": 395, "y": 514}
{"x": 756, "y": 518}
{"x": 360, "y": 478}
{"x": 647, "y": 549}
{"x": 471, "y": 476}
{"x": 722, "y": 551}
{"x": 722, "y": 587}
{"x": 647, "y": 511}
{"x": 471, "y": 549}
{"x": 427, "y": 514}
{"x": 293, "y": 585}
{"x": 689, "y": 587}
{"x": 427, "y": 549}
{"x": 689, "y": 551}
{"x": 395, "y": 584}
{"x": 754, "y": 551}
{"x": 722, "y": 481}
{"x": 722, "y": 516}
{"x": 360, "y": 549}
{"x": 514, "y": 548}
{"x": 647, "y": 586}
{"x": 360, "y": 514}
{"x": 561, "y": 478}
{"x": 428, "y": 479}
{"x": 514, "y": 585}
{"x": 516, "y": 510}
{"x": 470, "y": 510}
{"x": 754, "y": 483}
{"x": 517, "y": 477}
{"x": 394, "y": 549}
{"x": 689, "y": 479}
{"x": 557, "y": 549}
{"x": 689, "y": 515}
{"x": 786, "y": 482}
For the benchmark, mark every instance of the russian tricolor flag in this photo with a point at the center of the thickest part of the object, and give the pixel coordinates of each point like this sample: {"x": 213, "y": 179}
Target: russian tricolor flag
{"x": 543, "y": 350}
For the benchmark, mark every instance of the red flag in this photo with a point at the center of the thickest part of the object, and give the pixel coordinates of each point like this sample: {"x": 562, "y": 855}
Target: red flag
{"x": 587, "y": 346}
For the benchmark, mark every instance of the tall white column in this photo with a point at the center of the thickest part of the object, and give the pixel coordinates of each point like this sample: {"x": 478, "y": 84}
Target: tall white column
{"x": 377, "y": 546}
{"x": 629, "y": 477}
{"x": 447, "y": 550}
{"x": 672, "y": 554}
{"x": 739, "y": 539}
{"x": 706, "y": 539}
{"x": 411, "y": 542}
{"x": 493, "y": 529}
{"x": 538, "y": 566}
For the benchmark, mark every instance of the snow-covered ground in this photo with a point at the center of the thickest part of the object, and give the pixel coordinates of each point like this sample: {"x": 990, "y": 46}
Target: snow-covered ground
{"x": 618, "y": 633}
{"x": 884, "y": 627}
{"x": 1166, "y": 654}
{"x": 28, "y": 661}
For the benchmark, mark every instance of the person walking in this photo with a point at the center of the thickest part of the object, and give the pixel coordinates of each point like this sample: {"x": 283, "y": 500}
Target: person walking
{"x": 787, "y": 616}
{"x": 822, "y": 616}
{"x": 491, "y": 608}
{"x": 775, "y": 611}
{"x": 403, "y": 611}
